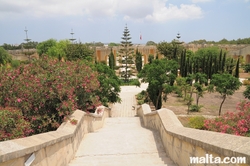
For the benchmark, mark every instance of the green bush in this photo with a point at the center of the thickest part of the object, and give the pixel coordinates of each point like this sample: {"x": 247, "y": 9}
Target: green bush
{"x": 13, "y": 125}
{"x": 140, "y": 102}
{"x": 135, "y": 82}
{"x": 246, "y": 68}
{"x": 141, "y": 97}
{"x": 196, "y": 122}
{"x": 195, "y": 108}
{"x": 15, "y": 63}
{"x": 178, "y": 91}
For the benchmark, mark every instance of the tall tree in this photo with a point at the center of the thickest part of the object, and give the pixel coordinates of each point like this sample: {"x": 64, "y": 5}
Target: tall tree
{"x": 126, "y": 49}
{"x": 158, "y": 74}
{"x": 225, "y": 84}
{"x": 109, "y": 84}
{"x": 79, "y": 51}
{"x": 237, "y": 68}
{"x": 138, "y": 60}
{"x": 169, "y": 50}
{"x": 111, "y": 60}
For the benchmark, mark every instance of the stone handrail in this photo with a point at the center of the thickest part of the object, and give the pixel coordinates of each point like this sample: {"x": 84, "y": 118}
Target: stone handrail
{"x": 181, "y": 143}
{"x": 55, "y": 148}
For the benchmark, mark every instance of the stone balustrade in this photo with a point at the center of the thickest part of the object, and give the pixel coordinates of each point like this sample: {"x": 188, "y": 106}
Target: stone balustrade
{"x": 181, "y": 143}
{"x": 55, "y": 148}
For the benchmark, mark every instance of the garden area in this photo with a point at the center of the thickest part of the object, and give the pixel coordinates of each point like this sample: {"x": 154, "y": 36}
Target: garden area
{"x": 39, "y": 95}
{"x": 203, "y": 89}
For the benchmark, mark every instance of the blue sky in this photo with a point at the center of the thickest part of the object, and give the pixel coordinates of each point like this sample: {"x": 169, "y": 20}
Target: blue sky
{"x": 104, "y": 20}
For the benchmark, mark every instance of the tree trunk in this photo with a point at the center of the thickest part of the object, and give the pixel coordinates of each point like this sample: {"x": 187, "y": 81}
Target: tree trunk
{"x": 224, "y": 98}
{"x": 197, "y": 99}
{"x": 158, "y": 98}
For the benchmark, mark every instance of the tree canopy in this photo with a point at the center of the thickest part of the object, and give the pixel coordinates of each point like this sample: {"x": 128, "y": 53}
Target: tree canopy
{"x": 225, "y": 84}
{"x": 169, "y": 50}
{"x": 4, "y": 56}
{"x": 158, "y": 74}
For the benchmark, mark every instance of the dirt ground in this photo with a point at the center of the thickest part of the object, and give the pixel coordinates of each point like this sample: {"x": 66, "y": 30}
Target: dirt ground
{"x": 210, "y": 103}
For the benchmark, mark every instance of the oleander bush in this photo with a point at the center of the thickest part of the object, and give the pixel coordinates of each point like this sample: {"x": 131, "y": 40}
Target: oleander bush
{"x": 237, "y": 123}
{"x": 13, "y": 124}
{"x": 46, "y": 91}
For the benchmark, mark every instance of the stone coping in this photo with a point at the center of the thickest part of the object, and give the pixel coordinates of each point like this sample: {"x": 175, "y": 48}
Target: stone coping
{"x": 218, "y": 143}
{"x": 17, "y": 148}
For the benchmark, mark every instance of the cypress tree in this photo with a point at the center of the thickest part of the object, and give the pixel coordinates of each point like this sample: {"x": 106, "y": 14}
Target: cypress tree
{"x": 187, "y": 67}
{"x": 111, "y": 60}
{"x": 237, "y": 68}
{"x": 138, "y": 60}
{"x": 220, "y": 62}
{"x": 210, "y": 73}
{"x": 223, "y": 63}
{"x": 231, "y": 66}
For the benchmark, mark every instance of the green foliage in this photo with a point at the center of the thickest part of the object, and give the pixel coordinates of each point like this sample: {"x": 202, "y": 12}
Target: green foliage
{"x": 138, "y": 60}
{"x": 141, "y": 97}
{"x": 167, "y": 89}
{"x": 126, "y": 49}
{"x": 237, "y": 68}
{"x": 113, "y": 44}
{"x": 151, "y": 43}
{"x": 169, "y": 50}
{"x": 29, "y": 45}
{"x": 13, "y": 124}
{"x": 109, "y": 84}
{"x": 196, "y": 122}
{"x": 135, "y": 82}
{"x": 246, "y": 93}
{"x": 111, "y": 60}
{"x": 225, "y": 84}
{"x": 4, "y": 57}
{"x": 158, "y": 73}
{"x": 11, "y": 47}
{"x": 195, "y": 108}
{"x": 43, "y": 47}
{"x": 59, "y": 49}
{"x": 94, "y": 44}
{"x": 79, "y": 51}
{"x": 150, "y": 58}
{"x": 15, "y": 63}
{"x": 246, "y": 68}
{"x": 223, "y": 41}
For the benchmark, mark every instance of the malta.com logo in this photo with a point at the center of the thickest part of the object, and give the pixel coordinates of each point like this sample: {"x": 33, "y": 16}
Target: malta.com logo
{"x": 210, "y": 159}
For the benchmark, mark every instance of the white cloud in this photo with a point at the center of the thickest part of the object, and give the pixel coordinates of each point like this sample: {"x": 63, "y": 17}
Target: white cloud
{"x": 198, "y": 1}
{"x": 164, "y": 13}
{"x": 149, "y": 10}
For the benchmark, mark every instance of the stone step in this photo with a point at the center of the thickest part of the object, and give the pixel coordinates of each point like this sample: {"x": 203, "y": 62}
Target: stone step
{"x": 123, "y": 160}
{"x": 121, "y": 141}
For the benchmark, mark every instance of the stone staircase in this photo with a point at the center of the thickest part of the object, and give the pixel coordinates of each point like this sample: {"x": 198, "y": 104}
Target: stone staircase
{"x": 122, "y": 142}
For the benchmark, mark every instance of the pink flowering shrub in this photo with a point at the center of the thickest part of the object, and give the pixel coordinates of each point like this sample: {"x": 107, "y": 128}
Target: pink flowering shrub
{"x": 232, "y": 123}
{"x": 47, "y": 91}
{"x": 13, "y": 124}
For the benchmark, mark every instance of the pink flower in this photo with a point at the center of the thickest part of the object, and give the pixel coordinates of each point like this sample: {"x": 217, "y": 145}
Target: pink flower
{"x": 19, "y": 100}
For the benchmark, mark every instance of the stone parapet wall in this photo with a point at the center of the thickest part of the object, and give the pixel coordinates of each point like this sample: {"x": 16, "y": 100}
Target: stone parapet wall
{"x": 181, "y": 143}
{"x": 55, "y": 148}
